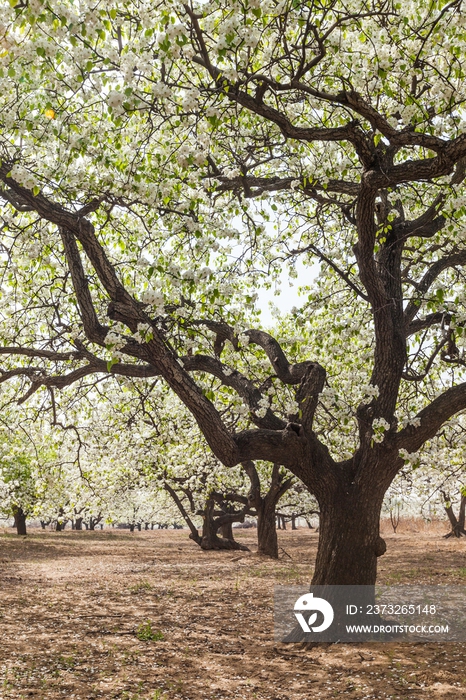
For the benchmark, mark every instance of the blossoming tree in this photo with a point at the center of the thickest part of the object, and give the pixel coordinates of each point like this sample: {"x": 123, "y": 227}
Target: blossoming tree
{"x": 161, "y": 160}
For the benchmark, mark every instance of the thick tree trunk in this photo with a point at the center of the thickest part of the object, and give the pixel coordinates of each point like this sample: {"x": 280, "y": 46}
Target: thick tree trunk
{"x": 349, "y": 540}
{"x": 293, "y": 522}
{"x": 60, "y": 523}
{"x": 349, "y": 544}
{"x": 267, "y": 539}
{"x": 79, "y": 524}
{"x": 227, "y": 531}
{"x": 210, "y": 527}
{"x": 457, "y": 524}
{"x": 20, "y": 520}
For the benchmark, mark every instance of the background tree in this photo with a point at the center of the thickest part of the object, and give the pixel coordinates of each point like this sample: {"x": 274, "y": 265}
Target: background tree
{"x": 28, "y": 451}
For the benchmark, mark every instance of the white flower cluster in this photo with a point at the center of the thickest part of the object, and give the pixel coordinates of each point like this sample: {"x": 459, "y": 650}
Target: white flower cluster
{"x": 115, "y": 101}
{"x": 250, "y": 36}
{"x": 154, "y": 298}
{"x": 183, "y": 312}
{"x": 409, "y": 112}
{"x": 190, "y": 100}
{"x": 187, "y": 152}
{"x": 23, "y": 177}
{"x": 415, "y": 422}
{"x": 33, "y": 251}
{"x": 243, "y": 339}
{"x": 379, "y": 426}
{"x": 409, "y": 457}
{"x": 161, "y": 90}
{"x": 144, "y": 333}
{"x": 371, "y": 390}
{"x": 204, "y": 273}
{"x": 114, "y": 341}
{"x": 264, "y": 404}
{"x": 175, "y": 30}
{"x": 231, "y": 74}
{"x": 228, "y": 28}
{"x": 35, "y": 7}
{"x": 292, "y": 407}
{"x": 460, "y": 202}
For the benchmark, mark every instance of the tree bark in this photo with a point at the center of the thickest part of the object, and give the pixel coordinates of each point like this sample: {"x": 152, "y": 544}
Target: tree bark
{"x": 266, "y": 505}
{"x": 267, "y": 539}
{"x": 78, "y": 524}
{"x": 349, "y": 539}
{"x": 94, "y": 521}
{"x": 227, "y": 531}
{"x": 211, "y": 526}
{"x": 60, "y": 523}
{"x": 457, "y": 524}
{"x": 20, "y": 520}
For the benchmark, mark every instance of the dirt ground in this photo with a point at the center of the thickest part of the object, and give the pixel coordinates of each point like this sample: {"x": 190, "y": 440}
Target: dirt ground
{"x": 71, "y": 605}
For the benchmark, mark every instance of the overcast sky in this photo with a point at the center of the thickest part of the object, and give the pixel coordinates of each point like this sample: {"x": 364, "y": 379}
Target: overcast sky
{"x": 288, "y": 296}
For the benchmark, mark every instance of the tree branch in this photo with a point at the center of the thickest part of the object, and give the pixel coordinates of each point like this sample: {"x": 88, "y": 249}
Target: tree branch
{"x": 429, "y": 278}
{"x": 194, "y": 531}
{"x": 432, "y": 418}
